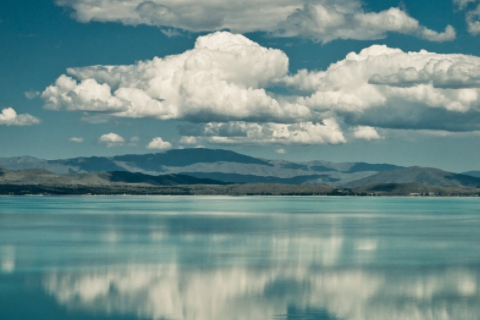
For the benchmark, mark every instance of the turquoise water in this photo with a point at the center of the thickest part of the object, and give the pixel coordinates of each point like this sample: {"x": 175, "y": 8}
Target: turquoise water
{"x": 221, "y": 258}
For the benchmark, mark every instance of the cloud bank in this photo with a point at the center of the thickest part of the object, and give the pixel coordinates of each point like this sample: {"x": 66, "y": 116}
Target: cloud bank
{"x": 319, "y": 20}
{"x": 222, "y": 86}
{"x": 239, "y": 132}
{"x": 9, "y": 117}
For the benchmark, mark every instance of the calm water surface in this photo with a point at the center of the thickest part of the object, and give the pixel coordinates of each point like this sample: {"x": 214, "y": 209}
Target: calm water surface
{"x": 221, "y": 258}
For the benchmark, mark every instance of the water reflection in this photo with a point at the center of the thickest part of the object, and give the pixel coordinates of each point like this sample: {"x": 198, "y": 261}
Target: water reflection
{"x": 173, "y": 292}
{"x": 199, "y": 266}
{"x": 292, "y": 274}
{"x": 7, "y": 259}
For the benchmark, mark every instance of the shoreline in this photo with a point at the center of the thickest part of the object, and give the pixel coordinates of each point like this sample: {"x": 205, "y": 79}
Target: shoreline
{"x": 238, "y": 196}
{"x": 237, "y": 190}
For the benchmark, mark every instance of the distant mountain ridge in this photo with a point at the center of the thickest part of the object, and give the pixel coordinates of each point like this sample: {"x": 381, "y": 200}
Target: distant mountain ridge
{"x": 226, "y": 166}
{"x": 185, "y": 157}
{"x": 244, "y": 178}
{"x": 44, "y": 177}
{"x": 418, "y": 175}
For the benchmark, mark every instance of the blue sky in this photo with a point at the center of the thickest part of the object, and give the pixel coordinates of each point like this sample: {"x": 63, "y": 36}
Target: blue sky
{"x": 403, "y": 87}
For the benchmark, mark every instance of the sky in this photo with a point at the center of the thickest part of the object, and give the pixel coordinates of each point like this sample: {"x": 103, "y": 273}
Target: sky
{"x": 378, "y": 81}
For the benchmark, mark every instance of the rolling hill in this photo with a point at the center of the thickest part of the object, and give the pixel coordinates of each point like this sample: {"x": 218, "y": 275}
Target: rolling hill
{"x": 475, "y": 174}
{"x": 408, "y": 181}
{"x": 47, "y": 178}
{"x": 418, "y": 175}
{"x": 40, "y": 181}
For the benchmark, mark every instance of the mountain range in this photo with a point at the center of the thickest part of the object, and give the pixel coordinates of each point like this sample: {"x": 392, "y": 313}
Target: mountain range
{"x": 208, "y": 166}
{"x": 221, "y": 165}
{"x": 41, "y": 181}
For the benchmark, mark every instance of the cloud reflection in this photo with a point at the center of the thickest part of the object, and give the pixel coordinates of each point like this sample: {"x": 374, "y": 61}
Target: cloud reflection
{"x": 7, "y": 259}
{"x": 183, "y": 292}
{"x": 334, "y": 268}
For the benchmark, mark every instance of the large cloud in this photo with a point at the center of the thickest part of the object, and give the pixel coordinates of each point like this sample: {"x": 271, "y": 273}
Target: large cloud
{"x": 222, "y": 78}
{"x": 320, "y": 20}
{"x": 9, "y": 117}
{"x": 406, "y": 87}
{"x": 223, "y": 83}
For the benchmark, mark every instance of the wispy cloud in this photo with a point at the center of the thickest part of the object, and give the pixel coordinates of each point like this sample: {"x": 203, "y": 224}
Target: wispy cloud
{"x": 76, "y": 139}
{"x": 32, "y": 94}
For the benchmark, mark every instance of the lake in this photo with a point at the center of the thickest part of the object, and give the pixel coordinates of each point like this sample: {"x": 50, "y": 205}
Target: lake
{"x": 222, "y": 258}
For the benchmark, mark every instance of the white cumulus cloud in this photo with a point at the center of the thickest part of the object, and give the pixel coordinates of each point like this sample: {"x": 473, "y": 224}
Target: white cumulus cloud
{"x": 87, "y": 95}
{"x": 223, "y": 84}
{"x": 111, "y": 140}
{"x": 366, "y": 133}
{"x": 159, "y": 144}
{"x": 390, "y": 88}
{"x": 222, "y": 78}
{"x": 9, "y": 117}
{"x": 444, "y": 73}
{"x": 320, "y": 20}
{"x": 379, "y": 75}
